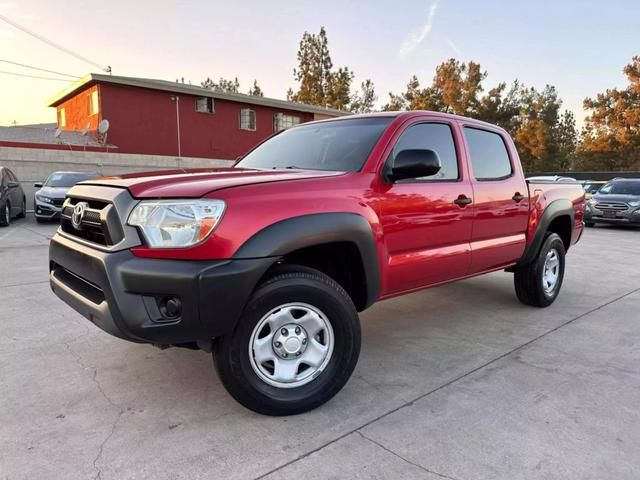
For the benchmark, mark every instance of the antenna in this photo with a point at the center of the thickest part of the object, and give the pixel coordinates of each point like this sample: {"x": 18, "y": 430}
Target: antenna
{"x": 103, "y": 127}
{"x": 58, "y": 135}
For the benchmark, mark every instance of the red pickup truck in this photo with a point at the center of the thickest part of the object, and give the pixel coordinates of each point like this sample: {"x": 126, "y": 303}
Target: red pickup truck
{"x": 268, "y": 263}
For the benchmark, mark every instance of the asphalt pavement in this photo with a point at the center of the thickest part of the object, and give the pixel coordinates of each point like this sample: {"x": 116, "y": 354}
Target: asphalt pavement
{"x": 458, "y": 382}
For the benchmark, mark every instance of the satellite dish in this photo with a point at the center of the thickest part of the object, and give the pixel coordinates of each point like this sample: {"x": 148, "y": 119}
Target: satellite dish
{"x": 103, "y": 127}
{"x": 58, "y": 132}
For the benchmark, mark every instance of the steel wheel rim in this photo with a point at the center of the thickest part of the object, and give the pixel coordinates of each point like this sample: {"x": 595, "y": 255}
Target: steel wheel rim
{"x": 7, "y": 214}
{"x": 551, "y": 271}
{"x": 296, "y": 358}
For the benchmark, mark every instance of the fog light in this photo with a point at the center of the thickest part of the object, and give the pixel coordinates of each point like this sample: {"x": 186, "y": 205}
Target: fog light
{"x": 170, "y": 307}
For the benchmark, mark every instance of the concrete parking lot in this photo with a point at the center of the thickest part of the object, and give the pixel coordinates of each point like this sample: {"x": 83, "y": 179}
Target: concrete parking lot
{"x": 458, "y": 382}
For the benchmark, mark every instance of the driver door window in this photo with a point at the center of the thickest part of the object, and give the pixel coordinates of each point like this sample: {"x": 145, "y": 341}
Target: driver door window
{"x": 433, "y": 136}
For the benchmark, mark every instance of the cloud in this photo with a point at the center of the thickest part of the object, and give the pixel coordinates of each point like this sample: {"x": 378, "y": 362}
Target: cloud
{"x": 453, "y": 47}
{"x": 416, "y": 38}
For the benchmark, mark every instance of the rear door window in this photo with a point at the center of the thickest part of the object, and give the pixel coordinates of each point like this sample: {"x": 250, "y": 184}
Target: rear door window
{"x": 488, "y": 152}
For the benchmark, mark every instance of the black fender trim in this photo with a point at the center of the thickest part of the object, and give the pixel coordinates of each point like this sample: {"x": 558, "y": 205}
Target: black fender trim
{"x": 294, "y": 233}
{"x": 555, "y": 209}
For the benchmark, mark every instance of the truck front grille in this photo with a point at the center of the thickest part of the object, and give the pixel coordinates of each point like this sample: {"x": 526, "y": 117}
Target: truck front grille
{"x": 103, "y": 223}
{"x": 612, "y": 206}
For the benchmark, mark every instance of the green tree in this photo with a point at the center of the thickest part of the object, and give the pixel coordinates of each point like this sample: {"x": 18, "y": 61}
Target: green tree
{"x": 567, "y": 138}
{"x": 454, "y": 89}
{"x": 256, "y": 91}
{"x": 318, "y": 83}
{"x": 222, "y": 85}
{"x": 545, "y": 139}
{"x": 611, "y": 137}
{"x": 364, "y": 100}
{"x": 338, "y": 89}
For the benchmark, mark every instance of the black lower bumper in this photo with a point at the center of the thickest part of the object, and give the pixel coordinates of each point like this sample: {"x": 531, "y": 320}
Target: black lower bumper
{"x": 123, "y": 294}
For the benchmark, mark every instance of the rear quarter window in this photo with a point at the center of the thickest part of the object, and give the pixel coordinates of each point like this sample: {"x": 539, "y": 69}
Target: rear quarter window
{"x": 488, "y": 154}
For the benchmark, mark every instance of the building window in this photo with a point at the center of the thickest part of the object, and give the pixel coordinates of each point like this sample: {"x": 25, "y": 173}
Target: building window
{"x": 282, "y": 121}
{"x": 204, "y": 104}
{"x": 62, "y": 119}
{"x": 247, "y": 119}
{"x": 94, "y": 106}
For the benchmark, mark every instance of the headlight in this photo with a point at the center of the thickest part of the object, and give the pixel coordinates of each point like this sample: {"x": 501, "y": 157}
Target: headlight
{"x": 635, "y": 204}
{"x": 176, "y": 223}
{"x": 44, "y": 199}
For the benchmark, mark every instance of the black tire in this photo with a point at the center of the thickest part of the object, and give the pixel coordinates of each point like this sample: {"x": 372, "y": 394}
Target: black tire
{"x": 41, "y": 220}
{"x": 5, "y": 215}
{"x": 23, "y": 210}
{"x": 589, "y": 224}
{"x": 293, "y": 284}
{"x": 528, "y": 279}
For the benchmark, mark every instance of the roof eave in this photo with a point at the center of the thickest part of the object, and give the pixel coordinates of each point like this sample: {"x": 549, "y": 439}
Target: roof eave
{"x": 185, "y": 89}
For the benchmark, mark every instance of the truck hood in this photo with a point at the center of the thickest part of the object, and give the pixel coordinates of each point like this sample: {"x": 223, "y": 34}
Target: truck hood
{"x": 194, "y": 183}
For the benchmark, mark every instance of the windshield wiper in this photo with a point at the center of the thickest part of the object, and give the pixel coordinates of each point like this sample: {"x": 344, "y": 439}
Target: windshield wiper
{"x": 288, "y": 167}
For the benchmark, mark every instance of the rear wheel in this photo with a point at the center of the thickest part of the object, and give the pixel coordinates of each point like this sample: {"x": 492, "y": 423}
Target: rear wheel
{"x": 538, "y": 283}
{"x": 295, "y": 346}
{"x": 5, "y": 215}
{"x": 589, "y": 224}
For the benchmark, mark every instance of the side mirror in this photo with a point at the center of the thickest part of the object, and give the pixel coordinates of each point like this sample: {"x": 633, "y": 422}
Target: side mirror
{"x": 13, "y": 184}
{"x": 415, "y": 164}
{"x": 38, "y": 184}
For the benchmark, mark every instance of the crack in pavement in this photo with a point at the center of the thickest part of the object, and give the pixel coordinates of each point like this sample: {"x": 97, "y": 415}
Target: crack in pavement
{"x": 433, "y": 472}
{"x": 95, "y": 380}
{"x": 446, "y": 384}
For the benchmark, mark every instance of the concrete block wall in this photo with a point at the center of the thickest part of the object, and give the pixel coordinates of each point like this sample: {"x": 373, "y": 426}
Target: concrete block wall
{"x": 35, "y": 164}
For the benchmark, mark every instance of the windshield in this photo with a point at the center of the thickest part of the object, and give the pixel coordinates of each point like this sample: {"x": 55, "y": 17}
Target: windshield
{"x": 592, "y": 187}
{"x": 342, "y": 145}
{"x": 68, "y": 180}
{"x": 621, "y": 188}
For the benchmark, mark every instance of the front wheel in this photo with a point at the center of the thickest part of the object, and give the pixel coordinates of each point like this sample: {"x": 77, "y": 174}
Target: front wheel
{"x": 538, "y": 283}
{"x": 294, "y": 347}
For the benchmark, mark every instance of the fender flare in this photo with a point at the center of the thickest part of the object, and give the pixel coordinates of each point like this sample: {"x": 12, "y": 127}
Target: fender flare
{"x": 555, "y": 209}
{"x": 286, "y": 236}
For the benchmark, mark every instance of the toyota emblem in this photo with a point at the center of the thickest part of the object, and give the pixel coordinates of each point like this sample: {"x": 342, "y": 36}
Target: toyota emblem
{"x": 78, "y": 214}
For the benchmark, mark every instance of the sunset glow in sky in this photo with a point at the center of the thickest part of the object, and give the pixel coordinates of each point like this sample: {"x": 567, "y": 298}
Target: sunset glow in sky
{"x": 578, "y": 46}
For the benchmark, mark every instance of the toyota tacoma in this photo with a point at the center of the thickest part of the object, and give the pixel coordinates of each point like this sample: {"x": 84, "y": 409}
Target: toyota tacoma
{"x": 268, "y": 263}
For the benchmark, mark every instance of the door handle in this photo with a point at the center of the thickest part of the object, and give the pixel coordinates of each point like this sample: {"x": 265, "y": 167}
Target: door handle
{"x": 517, "y": 197}
{"x": 463, "y": 201}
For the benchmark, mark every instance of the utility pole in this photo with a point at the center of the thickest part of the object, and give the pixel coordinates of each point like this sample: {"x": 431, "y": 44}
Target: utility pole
{"x": 176, "y": 98}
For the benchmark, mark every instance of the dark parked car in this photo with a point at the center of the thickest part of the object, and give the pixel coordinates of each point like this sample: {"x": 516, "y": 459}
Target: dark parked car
{"x": 12, "y": 199}
{"x": 618, "y": 203}
{"x": 47, "y": 203}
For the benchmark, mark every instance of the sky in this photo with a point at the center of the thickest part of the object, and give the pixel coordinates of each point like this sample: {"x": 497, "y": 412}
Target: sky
{"x": 580, "y": 47}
